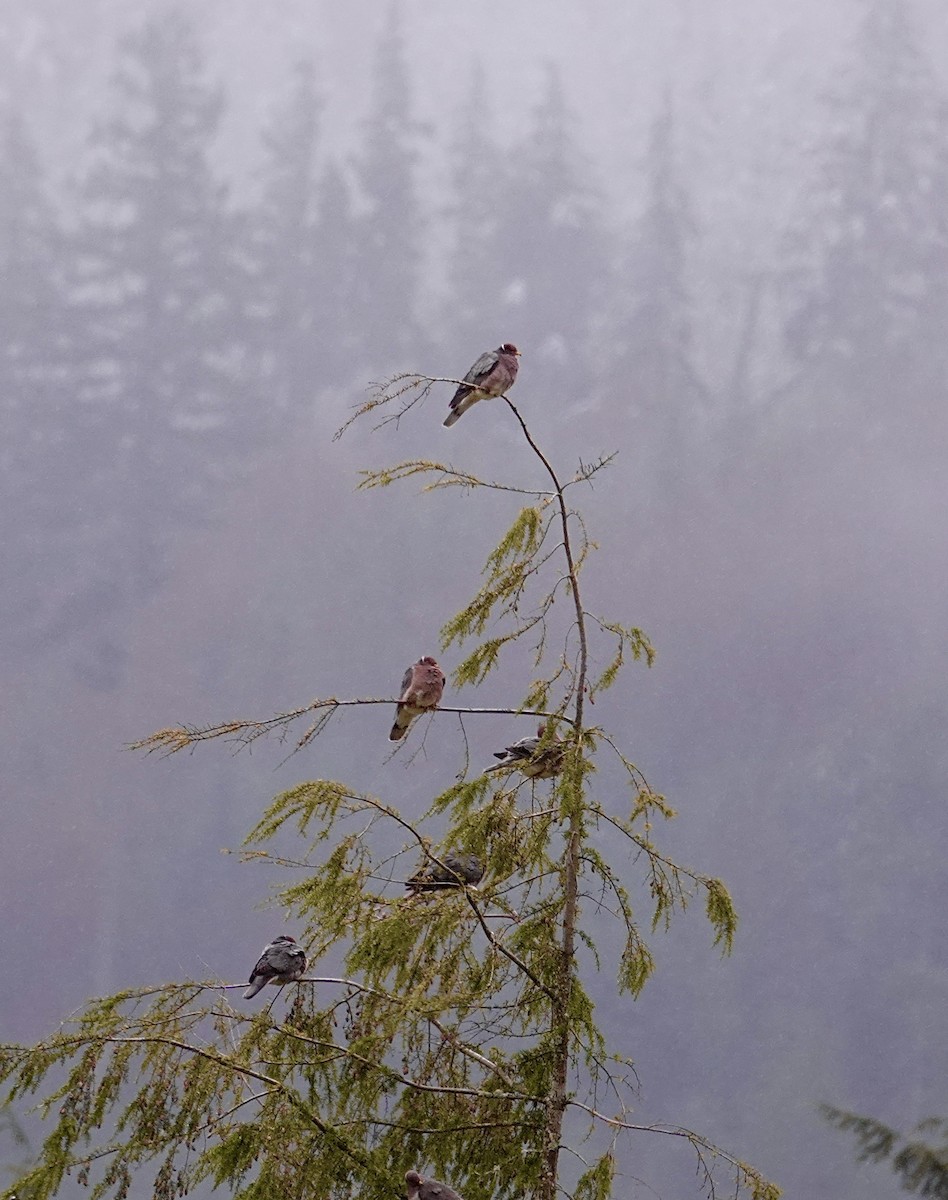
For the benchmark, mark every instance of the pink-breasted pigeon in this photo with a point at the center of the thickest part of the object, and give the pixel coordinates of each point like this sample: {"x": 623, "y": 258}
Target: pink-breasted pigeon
{"x": 420, "y": 1188}
{"x": 458, "y": 869}
{"x": 282, "y": 961}
{"x": 422, "y": 689}
{"x": 492, "y": 375}
{"x": 527, "y": 757}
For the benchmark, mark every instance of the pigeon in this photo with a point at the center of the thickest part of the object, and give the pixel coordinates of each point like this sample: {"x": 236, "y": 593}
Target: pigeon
{"x": 420, "y": 1188}
{"x": 527, "y": 757}
{"x": 422, "y": 688}
{"x": 457, "y": 870}
{"x": 492, "y": 375}
{"x": 282, "y": 961}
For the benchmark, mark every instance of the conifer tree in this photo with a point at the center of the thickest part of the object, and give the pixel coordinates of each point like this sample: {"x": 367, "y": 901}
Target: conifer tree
{"x": 30, "y": 244}
{"x": 550, "y": 226}
{"x": 40, "y": 485}
{"x": 872, "y": 245}
{"x": 335, "y": 242}
{"x": 651, "y": 374}
{"x": 302, "y": 258}
{"x": 158, "y": 339}
{"x": 282, "y": 237}
{"x": 919, "y": 1160}
{"x": 459, "y": 1036}
{"x": 477, "y": 275}
{"x": 390, "y": 233}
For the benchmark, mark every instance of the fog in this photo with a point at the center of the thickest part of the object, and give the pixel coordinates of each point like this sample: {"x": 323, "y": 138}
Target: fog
{"x": 717, "y": 232}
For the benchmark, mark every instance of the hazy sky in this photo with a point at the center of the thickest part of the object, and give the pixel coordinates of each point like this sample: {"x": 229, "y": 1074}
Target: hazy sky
{"x": 789, "y": 566}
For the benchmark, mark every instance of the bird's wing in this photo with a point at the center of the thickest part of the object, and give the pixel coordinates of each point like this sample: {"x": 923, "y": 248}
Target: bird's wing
{"x": 525, "y": 748}
{"x": 264, "y": 967}
{"x": 482, "y": 368}
{"x": 291, "y": 958}
{"x": 471, "y": 869}
{"x": 431, "y": 1189}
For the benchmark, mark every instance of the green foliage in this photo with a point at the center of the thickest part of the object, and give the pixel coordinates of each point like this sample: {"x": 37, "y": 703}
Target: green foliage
{"x": 510, "y": 567}
{"x": 721, "y": 913}
{"x": 596, "y": 1183}
{"x": 919, "y": 1163}
{"x": 628, "y": 641}
{"x": 460, "y": 1024}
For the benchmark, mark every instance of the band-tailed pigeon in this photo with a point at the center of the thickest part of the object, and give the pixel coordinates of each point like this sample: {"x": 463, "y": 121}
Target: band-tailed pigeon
{"x": 422, "y": 689}
{"x": 527, "y": 757}
{"x": 420, "y": 1188}
{"x": 458, "y": 869}
{"x": 492, "y": 375}
{"x": 282, "y": 961}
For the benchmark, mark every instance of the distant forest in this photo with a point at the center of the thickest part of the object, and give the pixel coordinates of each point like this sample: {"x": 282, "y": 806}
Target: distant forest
{"x": 156, "y": 334}
{"x": 757, "y": 327}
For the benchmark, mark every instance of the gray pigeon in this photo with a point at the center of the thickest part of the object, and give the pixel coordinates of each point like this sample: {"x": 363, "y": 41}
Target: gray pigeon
{"x": 282, "y": 961}
{"x": 457, "y": 869}
{"x": 527, "y": 757}
{"x": 422, "y": 688}
{"x": 492, "y": 375}
{"x": 420, "y": 1188}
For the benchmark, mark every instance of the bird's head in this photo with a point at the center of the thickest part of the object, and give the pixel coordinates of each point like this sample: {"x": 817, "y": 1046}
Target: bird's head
{"x": 427, "y": 661}
{"x": 510, "y": 348}
{"x": 284, "y": 940}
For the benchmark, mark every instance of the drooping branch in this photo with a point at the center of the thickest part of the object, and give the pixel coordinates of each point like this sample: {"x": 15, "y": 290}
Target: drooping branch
{"x": 290, "y": 1095}
{"x": 246, "y": 731}
{"x": 448, "y": 476}
{"x": 747, "y": 1176}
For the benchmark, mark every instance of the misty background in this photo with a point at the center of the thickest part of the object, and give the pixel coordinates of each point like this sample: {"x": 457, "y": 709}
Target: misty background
{"x": 719, "y": 234}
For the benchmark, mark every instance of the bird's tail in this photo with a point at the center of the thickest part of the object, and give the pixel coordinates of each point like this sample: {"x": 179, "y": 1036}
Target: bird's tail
{"x": 402, "y": 721}
{"x": 256, "y": 985}
{"x": 459, "y": 406}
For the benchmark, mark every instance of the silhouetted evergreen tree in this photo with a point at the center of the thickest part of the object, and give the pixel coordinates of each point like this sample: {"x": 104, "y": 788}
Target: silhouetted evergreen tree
{"x": 29, "y": 248}
{"x": 873, "y": 245}
{"x": 38, "y": 523}
{"x": 334, "y": 251}
{"x": 288, "y": 281}
{"x": 550, "y": 240}
{"x": 477, "y": 277}
{"x": 862, "y": 415}
{"x": 390, "y": 233}
{"x": 282, "y": 229}
{"x": 919, "y": 1160}
{"x": 157, "y": 303}
{"x": 650, "y": 374}
{"x": 303, "y": 253}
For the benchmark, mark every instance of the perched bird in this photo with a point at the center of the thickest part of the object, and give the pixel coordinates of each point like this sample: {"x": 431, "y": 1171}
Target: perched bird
{"x": 527, "y": 757}
{"x": 422, "y": 688}
{"x": 492, "y": 375}
{"x": 457, "y": 870}
{"x": 282, "y": 961}
{"x": 420, "y": 1188}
